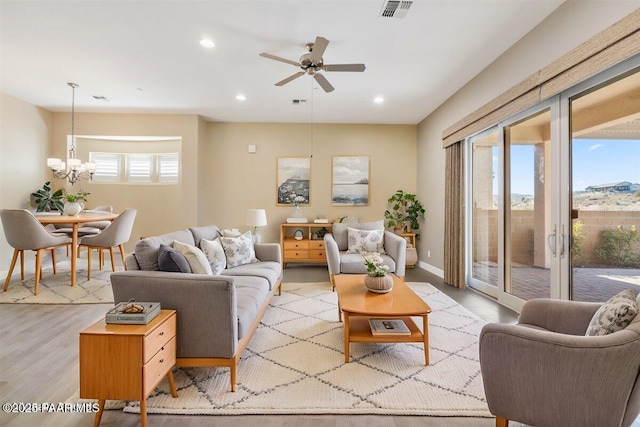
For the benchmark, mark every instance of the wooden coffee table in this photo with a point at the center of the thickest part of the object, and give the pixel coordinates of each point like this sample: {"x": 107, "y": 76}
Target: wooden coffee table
{"x": 359, "y": 305}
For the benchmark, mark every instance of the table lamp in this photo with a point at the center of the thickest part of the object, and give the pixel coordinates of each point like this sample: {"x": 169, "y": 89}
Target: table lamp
{"x": 256, "y": 218}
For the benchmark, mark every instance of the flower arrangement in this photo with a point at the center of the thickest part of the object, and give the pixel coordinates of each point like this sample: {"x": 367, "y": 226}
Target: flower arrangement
{"x": 374, "y": 263}
{"x": 80, "y": 196}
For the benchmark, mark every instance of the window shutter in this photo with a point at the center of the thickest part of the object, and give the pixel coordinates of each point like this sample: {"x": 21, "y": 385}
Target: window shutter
{"x": 107, "y": 166}
{"x": 168, "y": 167}
{"x": 139, "y": 167}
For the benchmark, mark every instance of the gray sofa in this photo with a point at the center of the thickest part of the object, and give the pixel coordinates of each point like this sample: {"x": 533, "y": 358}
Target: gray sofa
{"x": 341, "y": 262}
{"x": 216, "y": 314}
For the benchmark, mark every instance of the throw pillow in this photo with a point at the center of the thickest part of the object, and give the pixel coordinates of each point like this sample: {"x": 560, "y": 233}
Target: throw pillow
{"x": 239, "y": 250}
{"x": 170, "y": 259}
{"x": 196, "y": 259}
{"x": 231, "y": 232}
{"x": 365, "y": 241}
{"x": 614, "y": 315}
{"x": 215, "y": 254}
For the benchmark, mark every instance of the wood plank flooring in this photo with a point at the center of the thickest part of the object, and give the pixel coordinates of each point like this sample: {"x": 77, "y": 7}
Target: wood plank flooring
{"x": 39, "y": 363}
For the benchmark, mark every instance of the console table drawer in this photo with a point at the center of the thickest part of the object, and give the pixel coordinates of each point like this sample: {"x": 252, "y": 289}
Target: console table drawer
{"x": 290, "y": 254}
{"x": 316, "y": 244}
{"x": 317, "y": 254}
{"x": 296, "y": 244}
{"x": 158, "y": 366}
{"x": 159, "y": 337}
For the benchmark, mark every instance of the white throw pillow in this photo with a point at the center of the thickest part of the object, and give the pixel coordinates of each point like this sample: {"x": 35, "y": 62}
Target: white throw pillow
{"x": 215, "y": 254}
{"x": 614, "y": 315}
{"x": 196, "y": 259}
{"x": 231, "y": 232}
{"x": 360, "y": 241}
{"x": 239, "y": 250}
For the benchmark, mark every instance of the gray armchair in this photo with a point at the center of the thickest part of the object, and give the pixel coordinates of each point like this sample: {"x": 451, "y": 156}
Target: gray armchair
{"x": 543, "y": 371}
{"x": 341, "y": 262}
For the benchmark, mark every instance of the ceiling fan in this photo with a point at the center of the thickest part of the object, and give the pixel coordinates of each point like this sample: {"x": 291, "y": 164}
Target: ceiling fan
{"x": 312, "y": 62}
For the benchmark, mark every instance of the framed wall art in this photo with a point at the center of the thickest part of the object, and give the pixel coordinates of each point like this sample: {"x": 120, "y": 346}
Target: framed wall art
{"x": 293, "y": 180}
{"x": 350, "y": 181}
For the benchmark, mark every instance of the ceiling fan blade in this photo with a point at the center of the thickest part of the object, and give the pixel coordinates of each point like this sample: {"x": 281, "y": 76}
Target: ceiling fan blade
{"x": 319, "y": 46}
{"x": 288, "y": 79}
{"x": 277, "y": 58}
{"x": 344, "y": 67}
{"x": 323, "y": 82}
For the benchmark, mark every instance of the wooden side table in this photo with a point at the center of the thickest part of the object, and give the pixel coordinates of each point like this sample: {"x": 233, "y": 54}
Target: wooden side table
{"x": 412, "y": 254}
{"x": 126, "y": 362}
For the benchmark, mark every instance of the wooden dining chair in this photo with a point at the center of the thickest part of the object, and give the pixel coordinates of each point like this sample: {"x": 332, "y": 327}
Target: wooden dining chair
{"x": 116, "y": 234}
{"x": 24, "y": 232}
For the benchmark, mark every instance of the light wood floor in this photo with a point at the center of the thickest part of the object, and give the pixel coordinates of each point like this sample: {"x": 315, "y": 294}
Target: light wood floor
{"x": 39, "y": 363}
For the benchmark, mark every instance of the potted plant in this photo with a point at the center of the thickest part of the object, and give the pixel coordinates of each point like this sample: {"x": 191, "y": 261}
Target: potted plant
{"x": 74, "y": 202}
{"x": 47, "y": 201}
{"x": 405, "y": 211}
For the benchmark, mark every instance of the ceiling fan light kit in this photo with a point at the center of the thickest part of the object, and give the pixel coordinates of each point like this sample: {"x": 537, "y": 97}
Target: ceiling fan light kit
{"x": 311, "y": 63}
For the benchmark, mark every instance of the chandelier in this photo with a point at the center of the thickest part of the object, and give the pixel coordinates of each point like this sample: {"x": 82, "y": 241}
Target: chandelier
{"x": 73, "y": 170}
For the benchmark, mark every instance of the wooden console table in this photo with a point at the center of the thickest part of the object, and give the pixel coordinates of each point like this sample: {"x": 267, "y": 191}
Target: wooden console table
{"x": 126, "y": 362}
{"x": 305, "y": 250}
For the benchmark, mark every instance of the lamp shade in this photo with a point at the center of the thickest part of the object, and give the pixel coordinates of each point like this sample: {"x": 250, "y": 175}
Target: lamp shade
{"x": 256, "y": 217}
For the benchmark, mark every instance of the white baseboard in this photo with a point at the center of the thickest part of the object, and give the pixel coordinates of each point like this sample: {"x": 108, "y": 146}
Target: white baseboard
{"x": 431, "y": 269}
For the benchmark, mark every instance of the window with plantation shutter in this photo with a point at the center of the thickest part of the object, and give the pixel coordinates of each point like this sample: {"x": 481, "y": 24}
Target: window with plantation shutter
{"x": 107, "y": 166}
{"x": 139, "y": 167}
{"x": 168, "y": 167}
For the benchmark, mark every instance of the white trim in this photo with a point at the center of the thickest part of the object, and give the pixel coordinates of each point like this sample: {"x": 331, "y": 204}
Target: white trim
{"x": 431, "y": 269}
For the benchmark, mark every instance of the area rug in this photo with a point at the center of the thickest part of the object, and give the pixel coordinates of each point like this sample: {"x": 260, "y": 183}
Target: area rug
{"x": 295, "y": 365}
{"x": 57, "y": 289}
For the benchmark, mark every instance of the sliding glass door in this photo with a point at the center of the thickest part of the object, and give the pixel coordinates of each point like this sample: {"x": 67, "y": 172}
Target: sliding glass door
{"x": 554, "y": 196}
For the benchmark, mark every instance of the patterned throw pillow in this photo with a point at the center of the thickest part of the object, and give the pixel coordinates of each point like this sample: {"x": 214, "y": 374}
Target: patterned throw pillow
{"x": 171, "y": 260}
{"x": 360, "y": 241}
{"x": 614, "y": 315}
{"x": 215, "y": 254}
{"x": 239, "y": 250}
{"x": 196, "y": 259}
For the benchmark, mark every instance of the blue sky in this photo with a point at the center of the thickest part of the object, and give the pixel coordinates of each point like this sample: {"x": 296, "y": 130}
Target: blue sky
{"x": 595, "y": 161}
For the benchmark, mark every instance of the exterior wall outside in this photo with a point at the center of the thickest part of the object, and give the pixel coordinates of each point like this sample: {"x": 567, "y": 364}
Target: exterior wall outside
{"x": 573, "y": 23}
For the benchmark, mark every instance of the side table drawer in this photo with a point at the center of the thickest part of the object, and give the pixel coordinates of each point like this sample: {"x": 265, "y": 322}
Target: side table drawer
{"x": 316, "y": 244}
{"x": 317, "y": 254}
{"x": 159, "y": 337}
{"x": 159, "y": 365}
{"x": 296, "y": 244}
{"x": 291, "y": 254}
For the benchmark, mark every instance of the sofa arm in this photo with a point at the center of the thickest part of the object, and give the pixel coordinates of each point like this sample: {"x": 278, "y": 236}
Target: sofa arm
{"x": 565, "y": 317}
{"x": 207, "y": 318}
{"x": 525, "y": 369}
{"x": 268, "y": 252}
{"x": 333, "y": 254}
{"x": 396, "y": 247}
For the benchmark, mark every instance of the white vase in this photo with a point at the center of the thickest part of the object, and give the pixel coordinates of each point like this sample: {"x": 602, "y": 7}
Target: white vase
{"x": 378, "y": 284}
{"x": 296, "y": 212}
{"x": 72, "y": 208}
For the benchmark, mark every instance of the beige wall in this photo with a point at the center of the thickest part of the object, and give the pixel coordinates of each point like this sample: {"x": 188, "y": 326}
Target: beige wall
{"x": 573, "y": 23}
{"x": 161, "y": 208}
{"x": 25, "y": 132}
{"x": 236, "y": 180}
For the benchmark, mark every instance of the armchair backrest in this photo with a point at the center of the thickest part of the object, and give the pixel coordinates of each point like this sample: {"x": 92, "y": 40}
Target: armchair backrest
{"x": 339, "y": 231}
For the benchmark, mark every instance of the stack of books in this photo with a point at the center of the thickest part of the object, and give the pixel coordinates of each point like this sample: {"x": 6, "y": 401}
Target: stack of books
{"x": 388, "y": 327}
{"x": 121, "y": 314}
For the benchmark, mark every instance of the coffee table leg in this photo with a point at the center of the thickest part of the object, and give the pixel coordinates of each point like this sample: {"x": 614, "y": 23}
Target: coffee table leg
{"x": 346, "y": 337}
{"x": 425, "y": 333}
{"x": 98, "y": 416}
{"x": 339, "y": 312}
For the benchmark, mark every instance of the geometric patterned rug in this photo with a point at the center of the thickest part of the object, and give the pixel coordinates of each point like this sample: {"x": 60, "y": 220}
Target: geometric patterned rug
{"x": 295, "y": 365}
{"x": 57, "y": 289}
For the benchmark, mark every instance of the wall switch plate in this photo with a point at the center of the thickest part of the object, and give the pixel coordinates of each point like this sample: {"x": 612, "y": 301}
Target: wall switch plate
{"x": 252, "y": 149}
{"x": 428, "y": 254}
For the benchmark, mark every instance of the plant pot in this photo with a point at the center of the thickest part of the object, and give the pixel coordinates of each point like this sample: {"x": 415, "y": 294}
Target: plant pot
{"x": 72, "y": 209}
{"x": 378, "y": 284}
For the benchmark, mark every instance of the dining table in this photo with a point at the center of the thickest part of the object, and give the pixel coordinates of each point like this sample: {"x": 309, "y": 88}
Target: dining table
{"x": 46, "y": 218}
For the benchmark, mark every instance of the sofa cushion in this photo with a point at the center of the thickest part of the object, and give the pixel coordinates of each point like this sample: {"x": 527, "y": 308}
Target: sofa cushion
{"x": 339, "y": 231}
{"x": 146, "y": 250}
{"x": 239, "y": 250}
{"x": 614, "y": 315}
{"x": 196, "y": 258}
{"x": 170, "y": 259}
{"x": 215, "y": 254}
{"x": 209, "y": 232}
{"x": 251, "y": 292}
{"x": 354, "y": 263}
{"x": 360, "y": 241}
{"x": 272, "y": 271}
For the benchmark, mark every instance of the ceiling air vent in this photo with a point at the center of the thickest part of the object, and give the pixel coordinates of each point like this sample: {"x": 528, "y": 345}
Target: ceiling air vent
{"x": 395, "y": 9}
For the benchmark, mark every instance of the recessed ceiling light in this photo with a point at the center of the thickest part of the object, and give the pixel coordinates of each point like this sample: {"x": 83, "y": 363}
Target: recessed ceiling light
{"x": 241, "y": 97}
{"x": 379, "y": 100}
{"x": 207, "y": 43}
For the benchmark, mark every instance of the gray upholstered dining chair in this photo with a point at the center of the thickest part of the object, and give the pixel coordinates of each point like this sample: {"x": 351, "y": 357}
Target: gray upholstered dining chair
{"x": 544, "y": 371}
{"x": 23, "y": 232}
{"x": 116, "y": 234}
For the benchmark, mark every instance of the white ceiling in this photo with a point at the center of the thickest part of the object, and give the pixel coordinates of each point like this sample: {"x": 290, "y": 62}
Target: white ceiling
{"x": 113, "y": 49}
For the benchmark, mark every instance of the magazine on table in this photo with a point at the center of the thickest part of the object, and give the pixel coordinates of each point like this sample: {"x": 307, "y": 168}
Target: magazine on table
{"x": 389, "y": 327}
